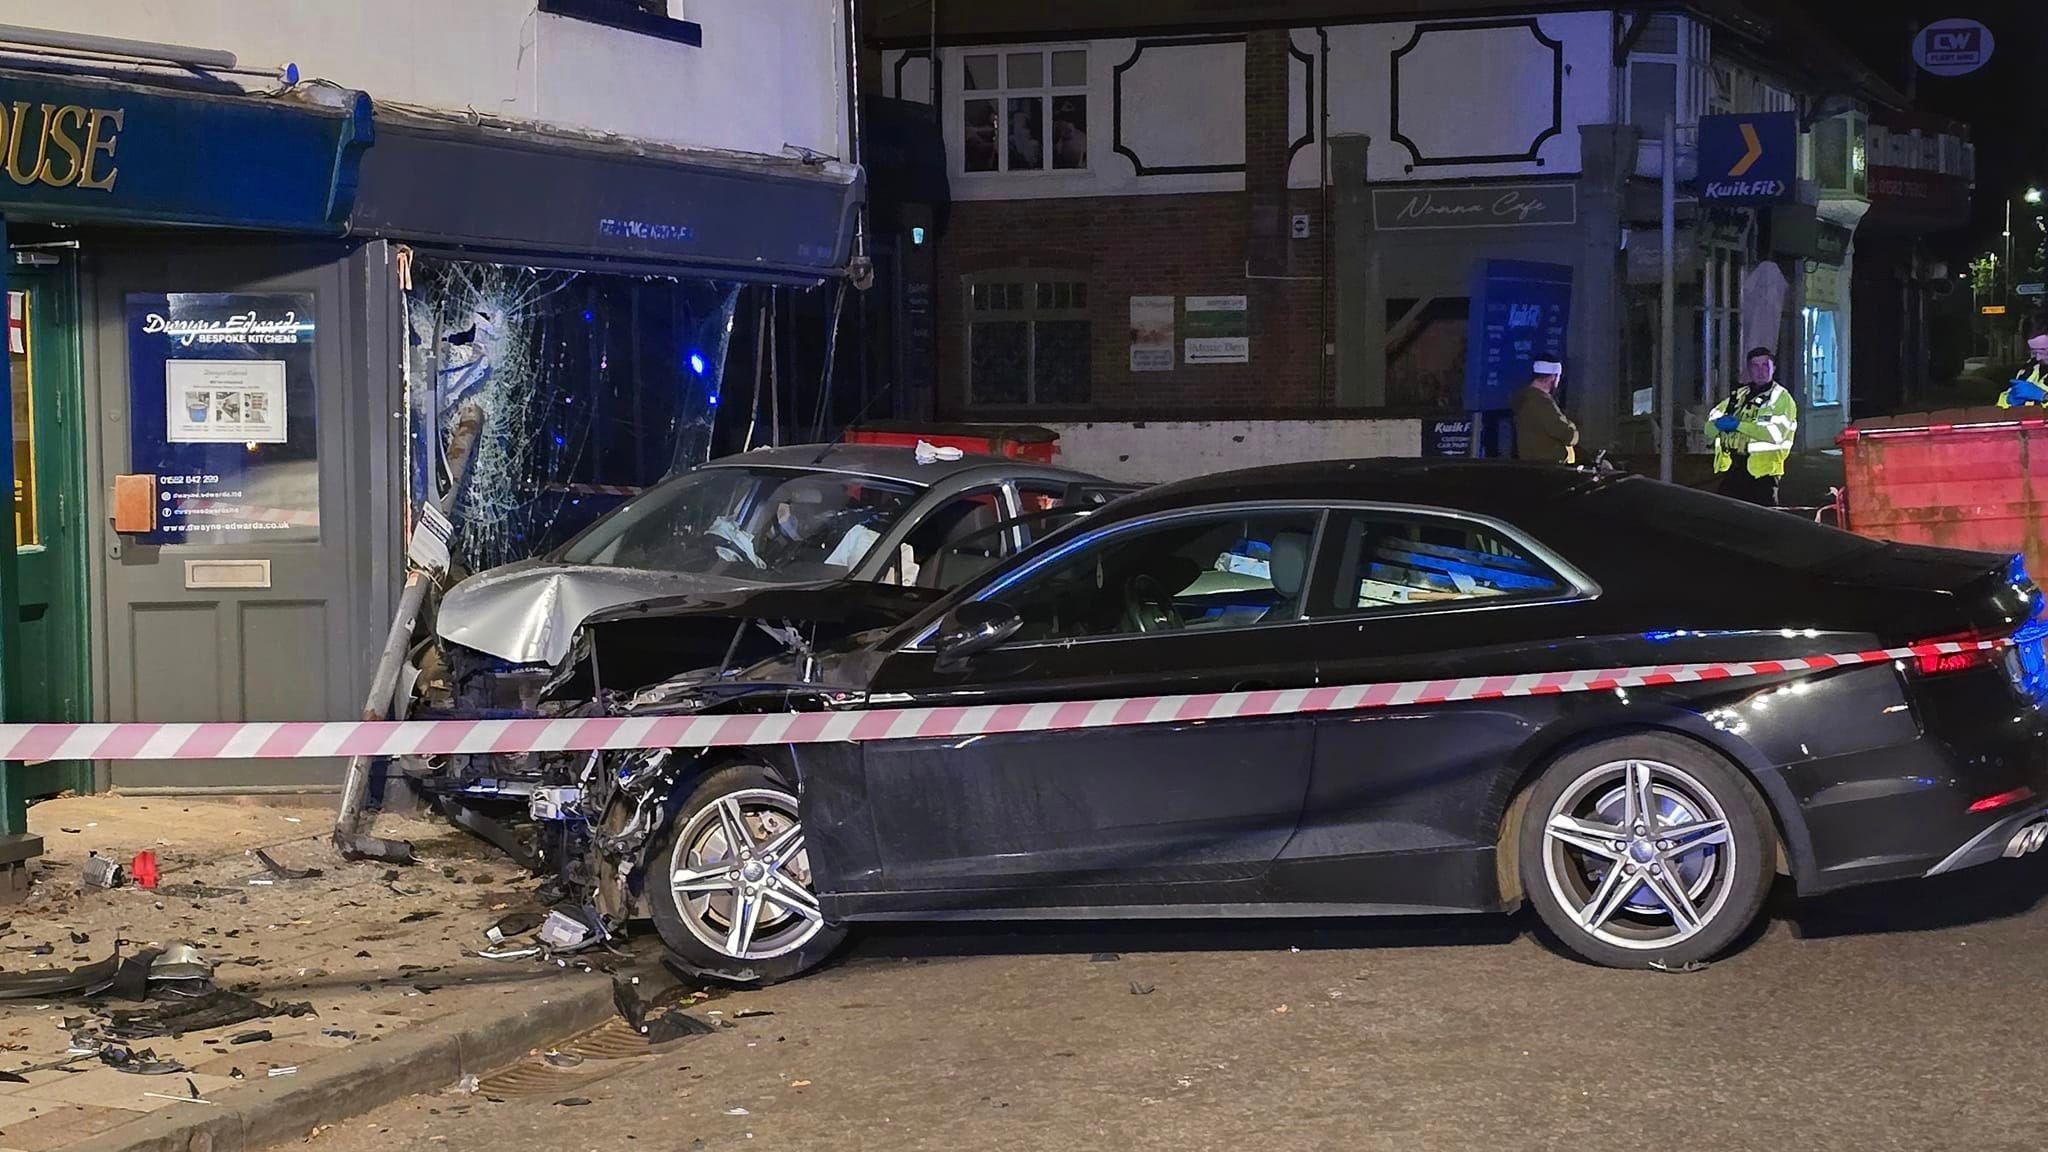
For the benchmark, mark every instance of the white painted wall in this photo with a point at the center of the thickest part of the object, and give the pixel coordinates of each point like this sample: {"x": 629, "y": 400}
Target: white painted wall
{"x": 1466, "y": 90}
{"x": 770, "y": 73}
{"x": 1183, "y": 106}
{"x": 1160, "y": 450}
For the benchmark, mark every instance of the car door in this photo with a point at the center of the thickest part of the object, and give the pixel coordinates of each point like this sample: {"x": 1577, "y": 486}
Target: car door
{"x": 1169, "y": 813}
{"x": 1403, "y": 801}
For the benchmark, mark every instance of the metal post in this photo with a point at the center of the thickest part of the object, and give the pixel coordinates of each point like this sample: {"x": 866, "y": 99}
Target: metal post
{"x": 353, "y": 843}
{"x": 1667, "y": 340}
{"x": 17, "y": 847}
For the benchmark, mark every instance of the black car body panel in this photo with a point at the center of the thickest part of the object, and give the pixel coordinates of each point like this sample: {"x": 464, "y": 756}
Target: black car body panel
{"x": 1871, "y": 771}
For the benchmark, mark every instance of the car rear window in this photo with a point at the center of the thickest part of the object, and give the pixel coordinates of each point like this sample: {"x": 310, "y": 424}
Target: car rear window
{"x": 1787, "y": 539}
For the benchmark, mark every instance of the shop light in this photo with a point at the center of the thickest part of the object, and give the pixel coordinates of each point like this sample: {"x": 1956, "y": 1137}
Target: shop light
{"x": 697, "y": 363}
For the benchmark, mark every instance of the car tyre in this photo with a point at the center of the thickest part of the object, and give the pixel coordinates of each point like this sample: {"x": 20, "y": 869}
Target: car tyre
{"x": 1645, "y": 851}
{"x": 730, "y": 885}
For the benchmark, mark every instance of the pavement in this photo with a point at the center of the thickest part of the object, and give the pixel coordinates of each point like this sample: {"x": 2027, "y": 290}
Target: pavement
{"x": 381, "y": 956}
{"x": 1901, "y": 1017}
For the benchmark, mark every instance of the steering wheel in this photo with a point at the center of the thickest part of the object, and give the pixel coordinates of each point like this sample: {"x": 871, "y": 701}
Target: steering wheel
{"x": 1148, "y": 607}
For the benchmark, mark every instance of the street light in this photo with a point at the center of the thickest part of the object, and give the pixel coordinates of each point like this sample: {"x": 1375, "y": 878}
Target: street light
{"x": 2033, "y": 196}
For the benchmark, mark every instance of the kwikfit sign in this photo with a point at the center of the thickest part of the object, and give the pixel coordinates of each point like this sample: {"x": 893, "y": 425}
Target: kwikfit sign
{"x": 1952, "y": 47}
{"x": 1748, "y": 159}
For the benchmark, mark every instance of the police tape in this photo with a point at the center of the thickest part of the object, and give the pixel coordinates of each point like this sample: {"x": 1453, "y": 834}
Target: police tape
{"x": 286, "y": 740}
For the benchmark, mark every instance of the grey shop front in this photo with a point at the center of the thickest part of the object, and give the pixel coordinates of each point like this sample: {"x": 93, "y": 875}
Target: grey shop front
{"x": 230, "y": 389}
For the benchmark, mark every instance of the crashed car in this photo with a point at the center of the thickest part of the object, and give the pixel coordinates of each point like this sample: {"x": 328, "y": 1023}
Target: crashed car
{"x": 1645, "y": 823}
{"x": 810, "y": 517}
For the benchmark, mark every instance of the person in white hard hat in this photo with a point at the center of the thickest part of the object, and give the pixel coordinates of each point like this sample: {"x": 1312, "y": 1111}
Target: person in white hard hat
{"x": 1542, "y": 430}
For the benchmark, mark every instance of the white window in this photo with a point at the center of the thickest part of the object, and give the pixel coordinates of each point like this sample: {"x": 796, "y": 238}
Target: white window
{"x": 1823, "y": 358}
{"x": 1668, "y": 74}
{"x": 1024, "y": 110}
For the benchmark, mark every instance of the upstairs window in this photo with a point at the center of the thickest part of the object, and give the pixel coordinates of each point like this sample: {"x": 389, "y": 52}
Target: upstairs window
{"x": 1027, "y": 341}
{"x": 1024, "y": 111}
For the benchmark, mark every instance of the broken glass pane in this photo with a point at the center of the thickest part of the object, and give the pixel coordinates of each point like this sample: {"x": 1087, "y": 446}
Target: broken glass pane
{"x": 592, "y": 387}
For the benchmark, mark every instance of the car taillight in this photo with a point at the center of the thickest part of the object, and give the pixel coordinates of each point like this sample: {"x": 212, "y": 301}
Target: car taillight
{"x": 1977, "y": 654}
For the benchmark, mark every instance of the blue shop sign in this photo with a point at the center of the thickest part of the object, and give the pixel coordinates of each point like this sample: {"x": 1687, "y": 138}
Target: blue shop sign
{"x": 1521, "y": 313}
{"x": 77, "y": 150}
{"x": 1750, "y": 158}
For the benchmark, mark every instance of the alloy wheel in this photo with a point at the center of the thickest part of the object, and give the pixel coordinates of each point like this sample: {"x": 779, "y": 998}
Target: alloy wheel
{"x": 1639, "y": 853}
{"x": 741, "y": 877}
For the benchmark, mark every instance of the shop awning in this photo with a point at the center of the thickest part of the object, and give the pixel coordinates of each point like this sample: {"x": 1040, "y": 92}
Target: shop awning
{"x": 85, "y": 149}
{"x": 524, "y": 190}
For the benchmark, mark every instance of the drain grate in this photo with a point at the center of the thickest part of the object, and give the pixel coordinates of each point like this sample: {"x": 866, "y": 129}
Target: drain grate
{"x": 612, "y": 1040}
{"x": 606, "y": 1050}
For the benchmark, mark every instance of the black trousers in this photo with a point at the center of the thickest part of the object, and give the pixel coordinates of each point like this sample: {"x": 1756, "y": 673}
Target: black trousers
{"x": 1738, "y": 484}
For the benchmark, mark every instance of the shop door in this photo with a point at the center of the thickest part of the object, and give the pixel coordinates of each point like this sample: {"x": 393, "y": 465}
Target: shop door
{"x": 49, "y": 505}
{"x": 222, "y": 369}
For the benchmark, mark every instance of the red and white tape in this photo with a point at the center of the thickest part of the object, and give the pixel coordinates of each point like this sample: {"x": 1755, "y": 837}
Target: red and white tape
{"x": 262, "y": 741}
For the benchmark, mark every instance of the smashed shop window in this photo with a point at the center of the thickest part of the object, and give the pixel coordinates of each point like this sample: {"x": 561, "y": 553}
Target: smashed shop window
{"x": 592, "y": 386}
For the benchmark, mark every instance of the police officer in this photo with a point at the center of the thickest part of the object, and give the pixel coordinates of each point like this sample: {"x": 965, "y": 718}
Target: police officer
{"x": 2029, "y": 386}
{"x": 1752, "y": 432}
{"x": 1542, "y": 431}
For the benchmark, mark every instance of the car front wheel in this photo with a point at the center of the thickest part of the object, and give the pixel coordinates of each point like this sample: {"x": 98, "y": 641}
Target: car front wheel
{"x": 731, "y": 890}
{"x": 1645, "y": 851}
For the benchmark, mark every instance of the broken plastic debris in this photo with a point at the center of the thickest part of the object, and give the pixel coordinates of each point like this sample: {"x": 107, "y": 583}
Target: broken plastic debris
{"x": 507, "y": 953}
{"x": 930, "y": 453}
{"x": 1138, "y": 989}
{"x": 512, "y": 924}
{"x": 737, "y": 1112}
{"x": 560, "y": 1059}
{"x": 285, "y": 1070}
{"x": 563, "y": 931}
{"x": 143, "y": 1063}
{"x": 143, "y": 869}
{"x": 180, "y": 962}
{"x": 469, "y": 1085}
{"x": 1688, "y": 966}
{"x": 280, "y": 872}
{"x": 572, "y": 1102}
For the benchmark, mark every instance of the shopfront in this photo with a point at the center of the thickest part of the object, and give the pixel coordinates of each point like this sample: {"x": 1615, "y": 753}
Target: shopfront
{"x": 243, "y": 325}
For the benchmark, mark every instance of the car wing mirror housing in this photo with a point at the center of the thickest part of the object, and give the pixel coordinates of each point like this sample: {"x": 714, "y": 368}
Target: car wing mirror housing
{"x": 975, "y": 626}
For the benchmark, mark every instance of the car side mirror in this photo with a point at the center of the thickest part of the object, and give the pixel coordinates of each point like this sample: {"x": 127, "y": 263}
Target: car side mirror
{"x": 975, "y": 626}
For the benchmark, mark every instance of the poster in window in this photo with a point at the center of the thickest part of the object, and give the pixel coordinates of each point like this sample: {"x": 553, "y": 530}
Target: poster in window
{"x": 221, "y": 411}
{"x": 1218, "y": 331}
{"x": 1151, "y": 333}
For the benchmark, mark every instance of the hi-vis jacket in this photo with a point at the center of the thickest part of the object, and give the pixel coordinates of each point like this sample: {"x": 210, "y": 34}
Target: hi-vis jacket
{"x": 2035, "y": 373}
{"x": 1769, "y": 418}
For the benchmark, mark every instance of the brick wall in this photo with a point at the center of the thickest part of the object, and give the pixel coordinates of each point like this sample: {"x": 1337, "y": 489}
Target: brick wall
{"x": 1142, "y": 246}
{"x": 1234, "y": 243}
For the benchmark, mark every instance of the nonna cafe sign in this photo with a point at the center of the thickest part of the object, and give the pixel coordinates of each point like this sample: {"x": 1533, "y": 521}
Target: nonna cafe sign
{"x": 1474, "y": 206}
{"x": 76, "y": 150}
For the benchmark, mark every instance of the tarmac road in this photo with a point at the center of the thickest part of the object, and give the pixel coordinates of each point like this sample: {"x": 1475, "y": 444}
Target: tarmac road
{"x": 1901, "y": 1017}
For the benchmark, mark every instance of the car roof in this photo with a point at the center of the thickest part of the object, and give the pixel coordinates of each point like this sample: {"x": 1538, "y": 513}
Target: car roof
{"x": 1486, "y": 487}
{"x": 892, "y": 463}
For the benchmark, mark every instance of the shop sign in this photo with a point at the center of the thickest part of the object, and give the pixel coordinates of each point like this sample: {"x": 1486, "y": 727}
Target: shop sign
{"x": 1151, "y": 333}
{"x": 1748, "y": 158}
{"x": 1217, "y": 331}
{"x": 1521, "y": 313}
{"x": 1475, "y": 206}
{"x": 1953, "y": 47}
{"x": 2031, "y": 288}
{"x": 81, "y": 150}
{"x": 1447, "y": 437}
{"x": 221, "y": 413}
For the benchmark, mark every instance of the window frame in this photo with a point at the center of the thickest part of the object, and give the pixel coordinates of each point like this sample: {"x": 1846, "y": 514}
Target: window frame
{"x": 1580, "y": 587}
{"x": 1030, "y": 315}
{"x": 1046, "y": 92}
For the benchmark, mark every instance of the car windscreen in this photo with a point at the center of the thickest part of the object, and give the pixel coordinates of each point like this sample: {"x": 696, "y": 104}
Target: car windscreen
{"x": 776, "y": 525}
{"x": 1785, "y": 539}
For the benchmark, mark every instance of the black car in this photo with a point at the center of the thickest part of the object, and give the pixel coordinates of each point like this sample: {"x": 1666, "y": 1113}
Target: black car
{"x": 1644, "y": 824}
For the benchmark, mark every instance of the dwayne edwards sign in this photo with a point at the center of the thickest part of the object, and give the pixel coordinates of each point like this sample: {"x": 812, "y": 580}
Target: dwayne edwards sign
{"x": 1475, "y": 206}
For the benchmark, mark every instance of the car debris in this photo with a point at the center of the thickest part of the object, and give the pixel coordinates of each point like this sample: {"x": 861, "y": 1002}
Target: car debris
{"x": 257, "y": 1036}
{"x": 507, "y": 954}
{"x": 53, "y": 982}
{"x": 275, "y": 871}
{"x": 180, "y": 962}
{"x": 101, "y": 872}
{"x": 284, "y": 1070}
{"x": 513, "y": 924}
{"x": 143, "y": 1063}
{"x": 143, "y": 869}
{"x": 193, "y": 1099}
{"x": 569, "y": 931}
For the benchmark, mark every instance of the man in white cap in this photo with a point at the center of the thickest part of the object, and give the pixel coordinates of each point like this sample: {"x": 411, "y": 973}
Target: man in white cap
{"x": 1542, "y": 431}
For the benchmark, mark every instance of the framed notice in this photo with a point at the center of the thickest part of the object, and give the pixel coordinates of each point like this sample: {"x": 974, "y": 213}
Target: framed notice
{"x": 1218, "y": 331}
{"x": 1151, "y": 333}
{"x": 221, "y": 399}
{"x": 225, "y": 401}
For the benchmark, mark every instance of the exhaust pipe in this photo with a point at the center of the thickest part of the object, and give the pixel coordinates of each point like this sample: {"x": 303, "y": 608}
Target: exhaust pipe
{"x": 2027, "y": 840}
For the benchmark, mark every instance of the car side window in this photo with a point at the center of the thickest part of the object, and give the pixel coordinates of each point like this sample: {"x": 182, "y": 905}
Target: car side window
{"x": 952, "y": 544}
{"x": 1391, "y": 560}
{"x": 1194, "y": 573}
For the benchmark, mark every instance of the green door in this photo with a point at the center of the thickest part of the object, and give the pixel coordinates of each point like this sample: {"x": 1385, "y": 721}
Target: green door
{"x": 53, "y": 659}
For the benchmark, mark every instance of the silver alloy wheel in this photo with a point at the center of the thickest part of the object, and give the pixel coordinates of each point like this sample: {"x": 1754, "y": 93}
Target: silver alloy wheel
{"x": 741, "y": 877}
{"x": 1639, "y": 853}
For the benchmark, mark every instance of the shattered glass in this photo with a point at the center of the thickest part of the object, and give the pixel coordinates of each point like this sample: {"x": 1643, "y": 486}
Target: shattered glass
{"x": 593, "y": 387}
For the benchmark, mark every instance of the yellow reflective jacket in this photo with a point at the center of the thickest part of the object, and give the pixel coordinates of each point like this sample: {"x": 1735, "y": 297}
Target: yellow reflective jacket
{"x": 2035, "y": 373}
{"x": 1769, "y": 421}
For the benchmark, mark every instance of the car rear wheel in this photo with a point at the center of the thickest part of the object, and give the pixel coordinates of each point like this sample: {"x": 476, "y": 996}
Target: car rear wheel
{"x": 731, "y": 890}
{"x": 1645, "y": 851}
